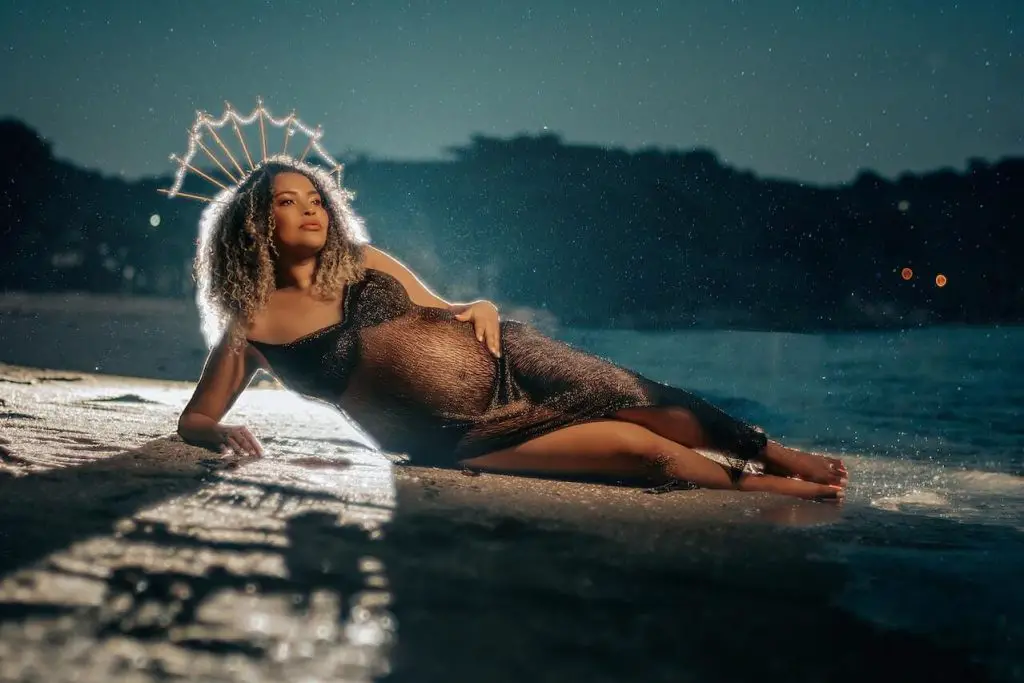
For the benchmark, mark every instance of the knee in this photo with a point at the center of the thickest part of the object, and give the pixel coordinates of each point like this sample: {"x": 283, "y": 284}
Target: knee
{"x": 686, "y": 418}
{"x": 679, "y": 424}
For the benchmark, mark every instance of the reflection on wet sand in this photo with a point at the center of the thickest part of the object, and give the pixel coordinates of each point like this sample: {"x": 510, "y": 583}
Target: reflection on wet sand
{"x": 171, "y": 561}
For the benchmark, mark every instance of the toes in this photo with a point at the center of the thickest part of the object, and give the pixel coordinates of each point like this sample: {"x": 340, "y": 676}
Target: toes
{"x": 837, "y": 465}
{"x": 838, "y": 471}
{"x": 834, "y": 494}
{"x": 830, "y": 477}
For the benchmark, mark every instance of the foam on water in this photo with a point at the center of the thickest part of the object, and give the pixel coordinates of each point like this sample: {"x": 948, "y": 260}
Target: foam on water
{"x": 911, "y": 499}
{"x": 932, "y": 489}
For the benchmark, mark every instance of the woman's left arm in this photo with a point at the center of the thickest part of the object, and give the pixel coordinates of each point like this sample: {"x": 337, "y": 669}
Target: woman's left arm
{"x": 483, "y": 314}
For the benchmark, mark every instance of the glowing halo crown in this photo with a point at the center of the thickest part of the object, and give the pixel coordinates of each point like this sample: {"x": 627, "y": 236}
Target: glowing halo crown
{"x": 204, "y": 122}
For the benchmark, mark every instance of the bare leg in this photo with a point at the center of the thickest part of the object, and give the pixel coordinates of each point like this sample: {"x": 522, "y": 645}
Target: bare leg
{"x": 677, "y": 424}
{"x": 622, "y": 449}
{"x": 681, "y": 426}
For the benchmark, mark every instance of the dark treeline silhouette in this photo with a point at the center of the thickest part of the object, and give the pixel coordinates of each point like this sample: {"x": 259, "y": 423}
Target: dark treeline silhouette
{"x": 593, "y": 236}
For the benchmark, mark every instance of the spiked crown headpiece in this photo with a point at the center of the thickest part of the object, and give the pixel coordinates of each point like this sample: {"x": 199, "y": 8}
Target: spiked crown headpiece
{"x": 229, "y": 165}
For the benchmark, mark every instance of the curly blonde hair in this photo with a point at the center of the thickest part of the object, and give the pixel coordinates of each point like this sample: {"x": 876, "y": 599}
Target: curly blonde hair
{"x": 234, "y": 263}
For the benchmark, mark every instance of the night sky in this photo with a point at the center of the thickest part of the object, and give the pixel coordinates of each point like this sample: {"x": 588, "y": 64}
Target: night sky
{"x": 814, "y": 90}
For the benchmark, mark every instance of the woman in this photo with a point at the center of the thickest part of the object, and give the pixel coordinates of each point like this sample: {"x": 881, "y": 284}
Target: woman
{"x": 289, "y": 284}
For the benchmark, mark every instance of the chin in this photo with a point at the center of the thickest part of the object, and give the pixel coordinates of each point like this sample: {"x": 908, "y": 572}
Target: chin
{"x": 304, "y": 248}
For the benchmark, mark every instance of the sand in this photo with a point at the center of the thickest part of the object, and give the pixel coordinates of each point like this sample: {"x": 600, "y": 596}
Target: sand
{"x": 128, "y": 555}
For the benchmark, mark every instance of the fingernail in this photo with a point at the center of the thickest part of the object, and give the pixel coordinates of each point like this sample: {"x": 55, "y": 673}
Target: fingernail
{"x": 844, "y": 481}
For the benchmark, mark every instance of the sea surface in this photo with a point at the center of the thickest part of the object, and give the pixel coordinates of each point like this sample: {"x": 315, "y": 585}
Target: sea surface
{"x": 927, "y": 552}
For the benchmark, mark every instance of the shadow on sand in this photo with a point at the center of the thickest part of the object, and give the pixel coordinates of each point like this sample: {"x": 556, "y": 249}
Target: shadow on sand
{"x": 46, "y": 511}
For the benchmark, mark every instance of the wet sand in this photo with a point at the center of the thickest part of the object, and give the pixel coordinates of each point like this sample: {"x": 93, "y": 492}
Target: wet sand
{"x": 128, "y": 555}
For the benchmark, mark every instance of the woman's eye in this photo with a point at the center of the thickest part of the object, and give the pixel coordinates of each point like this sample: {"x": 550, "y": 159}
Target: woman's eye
{"x": 285, "y": 202}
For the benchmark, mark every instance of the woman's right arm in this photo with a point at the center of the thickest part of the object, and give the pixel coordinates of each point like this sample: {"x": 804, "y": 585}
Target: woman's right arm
{"x": 225, "y": 376}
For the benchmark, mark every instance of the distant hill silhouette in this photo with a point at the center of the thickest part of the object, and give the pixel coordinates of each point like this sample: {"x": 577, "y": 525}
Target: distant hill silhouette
{"x": 593, "y": 236}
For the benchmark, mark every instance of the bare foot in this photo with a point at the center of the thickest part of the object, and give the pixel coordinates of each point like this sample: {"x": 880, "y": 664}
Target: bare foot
{"x": 825, "y": 493}
{"x": 790, "y": 462}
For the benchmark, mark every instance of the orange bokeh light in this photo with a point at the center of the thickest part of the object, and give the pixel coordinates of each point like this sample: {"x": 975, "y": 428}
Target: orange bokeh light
{"x": 940, "y": 280}
{"x": 906, "y": 273}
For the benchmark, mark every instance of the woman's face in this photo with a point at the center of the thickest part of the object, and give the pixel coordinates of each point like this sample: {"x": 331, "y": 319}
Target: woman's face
{"x": 300, "y": 218}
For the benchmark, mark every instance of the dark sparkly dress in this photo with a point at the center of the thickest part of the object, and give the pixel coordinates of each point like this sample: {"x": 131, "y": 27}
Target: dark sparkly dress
{"x": 419, "y": 382}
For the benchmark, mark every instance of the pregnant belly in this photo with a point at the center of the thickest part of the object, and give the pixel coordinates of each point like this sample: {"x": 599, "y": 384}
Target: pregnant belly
{"x": 434, "y": 366}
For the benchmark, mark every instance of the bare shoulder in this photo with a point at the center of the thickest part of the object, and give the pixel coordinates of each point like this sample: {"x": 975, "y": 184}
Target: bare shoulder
{"x": 375, "y": 258}
{"x": 420, "y": 294}
{"x": 378, "y": 259}
{"x": 243, "y": 354}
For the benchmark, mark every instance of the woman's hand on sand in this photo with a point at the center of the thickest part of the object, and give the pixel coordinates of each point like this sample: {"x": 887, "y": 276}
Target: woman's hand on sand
{"x": 484, "y": 316}
{"x": 239, "y": 441}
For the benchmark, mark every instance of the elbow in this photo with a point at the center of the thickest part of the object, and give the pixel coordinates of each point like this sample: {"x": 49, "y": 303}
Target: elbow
{"x": 197, "y": 429}
{"x": 182, "y": 427}
{"x": 189, "y": 426}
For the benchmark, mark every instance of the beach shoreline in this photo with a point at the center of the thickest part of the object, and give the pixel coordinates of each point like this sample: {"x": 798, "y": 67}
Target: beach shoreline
{"x": 130, "y": 550}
